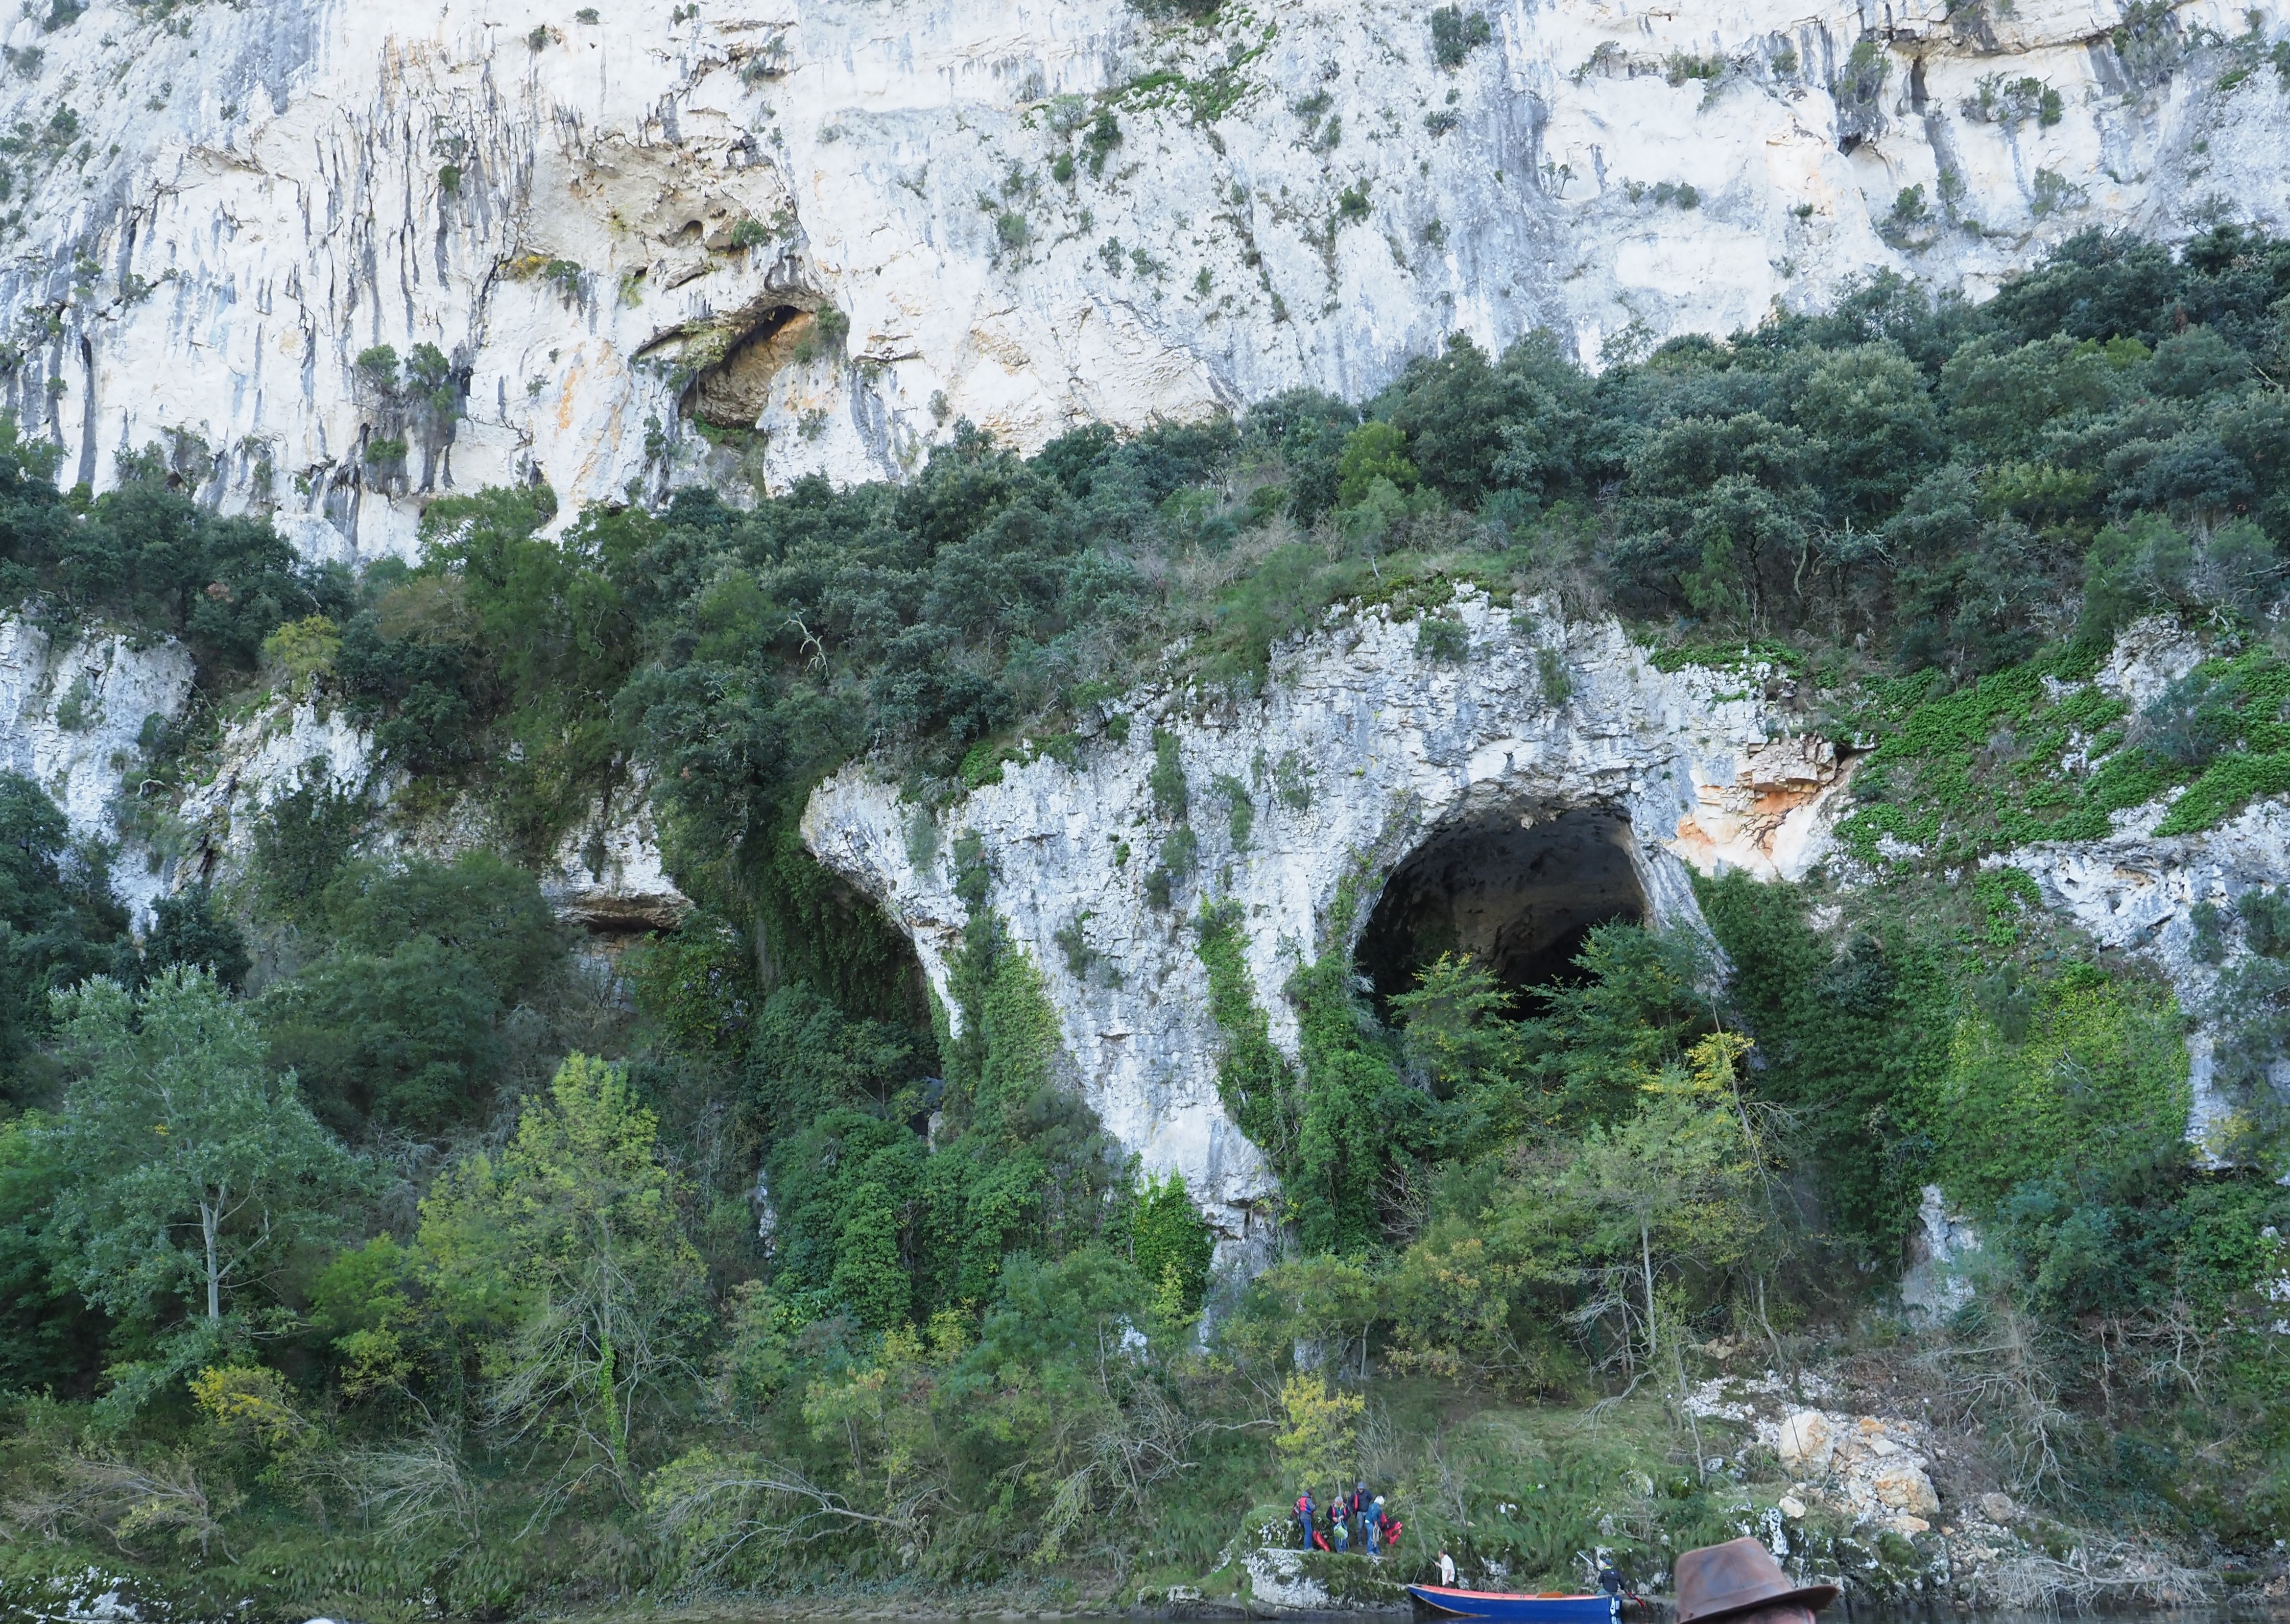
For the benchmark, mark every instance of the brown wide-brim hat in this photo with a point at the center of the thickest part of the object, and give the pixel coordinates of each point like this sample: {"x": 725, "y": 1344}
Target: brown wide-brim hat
{"x": 1720, "y": 1581}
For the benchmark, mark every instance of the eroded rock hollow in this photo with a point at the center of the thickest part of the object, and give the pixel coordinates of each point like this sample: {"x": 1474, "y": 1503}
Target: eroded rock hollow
{"x": 1519, "y": 889}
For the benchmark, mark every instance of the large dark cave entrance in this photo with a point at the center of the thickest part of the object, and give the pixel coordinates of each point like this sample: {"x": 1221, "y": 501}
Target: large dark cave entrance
{"x": 1521, "y": 897}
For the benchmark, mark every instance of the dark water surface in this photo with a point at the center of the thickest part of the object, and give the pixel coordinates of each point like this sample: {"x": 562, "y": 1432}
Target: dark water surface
{"x": 2258, "y": 1611}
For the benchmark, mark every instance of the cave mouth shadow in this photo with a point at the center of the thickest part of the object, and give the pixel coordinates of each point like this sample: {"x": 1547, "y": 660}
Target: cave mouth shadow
{"x": 1519, "y": 894}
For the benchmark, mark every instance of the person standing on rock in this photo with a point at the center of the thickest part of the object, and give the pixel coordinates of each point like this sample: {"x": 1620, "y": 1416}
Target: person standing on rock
{"x": 1446, "y": 1568}
{"x": 1740, "y": 1583}
{"x": 1304, "y": 1515}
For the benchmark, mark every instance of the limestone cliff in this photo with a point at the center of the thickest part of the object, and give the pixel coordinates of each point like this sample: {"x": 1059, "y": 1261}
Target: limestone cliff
{"x": 824, "y": 232}
{"x": 1406, "y": 791}
{"x": 81, "y": 716}
{"x": 1552, "y": 764}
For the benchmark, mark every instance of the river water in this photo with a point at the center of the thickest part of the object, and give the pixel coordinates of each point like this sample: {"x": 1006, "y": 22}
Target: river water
{"x": 2256, "y": 1611}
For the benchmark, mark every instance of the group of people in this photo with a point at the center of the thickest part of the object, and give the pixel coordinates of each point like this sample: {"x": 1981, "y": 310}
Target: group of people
{"x": 1351, "y": 1522}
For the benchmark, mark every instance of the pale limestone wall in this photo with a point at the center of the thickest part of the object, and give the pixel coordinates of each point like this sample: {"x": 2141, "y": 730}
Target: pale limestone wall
{"x": 1381, "y": 745}
{"x": 253, "y": 195}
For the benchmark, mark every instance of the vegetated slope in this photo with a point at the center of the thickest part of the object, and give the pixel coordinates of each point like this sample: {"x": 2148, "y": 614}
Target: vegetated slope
{"x": 468, "y": 1311}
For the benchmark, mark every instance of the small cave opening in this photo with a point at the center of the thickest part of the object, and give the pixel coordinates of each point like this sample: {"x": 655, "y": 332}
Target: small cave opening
{"x": 730, "y": 391}
{"x": 1520, "y": 893}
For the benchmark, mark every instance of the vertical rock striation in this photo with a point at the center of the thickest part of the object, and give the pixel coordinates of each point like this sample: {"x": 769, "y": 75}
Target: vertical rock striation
{"x": 650, "y": 245}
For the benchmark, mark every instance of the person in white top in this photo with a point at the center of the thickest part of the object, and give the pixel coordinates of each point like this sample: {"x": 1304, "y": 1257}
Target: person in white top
{"x": 1447, "y": 1569}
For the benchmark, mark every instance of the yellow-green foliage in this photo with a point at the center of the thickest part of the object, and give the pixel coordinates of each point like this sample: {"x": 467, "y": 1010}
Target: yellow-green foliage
{"x": 1319, "y": 1439}
{"x": 1172, "y": 1246}
{"x": 305, "y": 650}
{"x": 2099, "y": 1077}
{"x": 1020, "y": 1028}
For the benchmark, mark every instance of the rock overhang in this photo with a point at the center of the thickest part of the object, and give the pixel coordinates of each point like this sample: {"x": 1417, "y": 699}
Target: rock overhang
{"x": 1361, "y": 746}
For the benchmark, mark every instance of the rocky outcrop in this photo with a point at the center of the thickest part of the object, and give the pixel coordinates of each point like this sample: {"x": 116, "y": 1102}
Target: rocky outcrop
{"x": 74, "y": 717}
{"x": 1494, "y": 788}
{"x": 1284, "y": 1583}
{"x": 1942, "y": 1250}
{"x": 608, "y": 876}
{"x": 2135, "y": 892}
{"x": 1874, "y": 1468}
{"x": 81, "y": 716}
{"x": 1371, "y": 745}
{"x": 647, "y": 244}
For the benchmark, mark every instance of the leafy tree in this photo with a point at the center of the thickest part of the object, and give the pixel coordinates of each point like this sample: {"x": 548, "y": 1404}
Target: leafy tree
{"x": 1639, "y": 1003}
{"x": 58, "y": 922}
{"x": 1464, "y": 1038}
{"x": 145, "y": 553}
{"x": 808, "y": 1057}
{"x": 1319, "y": 1439}
{"x": 2134, "y": 569}
{"x": 1456, "y": 33}
{"x": 1681, "y": 1183}
{"x": 1172, "y": 1246}
{"x": 402, "y": 1020}
{"x": 1999, "y": 397}
{"x": 577, "y": 1224}
{"x": 50, "y": 1337}
{"x": 300, "y": 843}
{"x": 1309, "y": 431}
{"x": 1720, "y": 509}
{"x": 192, "y": 1173}
{"x": 1832, "y": 1030}
{"x": 186, "y": 930}
{"x": 1872, "y": 412}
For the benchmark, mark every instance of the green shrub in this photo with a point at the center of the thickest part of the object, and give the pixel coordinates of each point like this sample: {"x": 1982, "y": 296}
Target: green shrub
{"x": 1171, "y": 1244}
{"x": 1104, "y": 135}
{"x": 2101, "y": 1075}
{"x": 1172, "y": 796}
{"x": 58, "y": 924}
{"x": 1456, "y": 33}
{"x": 402, "y": 1020}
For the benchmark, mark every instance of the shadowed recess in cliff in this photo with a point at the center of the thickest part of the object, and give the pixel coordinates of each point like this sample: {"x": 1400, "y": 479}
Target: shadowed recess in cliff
{"x": 730, "y": 390}
{"x": 1518, "y": 891}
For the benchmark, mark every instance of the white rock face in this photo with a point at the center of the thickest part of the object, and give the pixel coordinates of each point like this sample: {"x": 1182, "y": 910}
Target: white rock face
{"x": 1874, "y": 1468}
{"x": 599, "y": 223}
{"x": 1942, "y": 1245}
{"x": 71, "y": 719}
{"x": 608, "y": 874}
{"x": 1363, "y": 751}
{"x": 1805, "y": 1443}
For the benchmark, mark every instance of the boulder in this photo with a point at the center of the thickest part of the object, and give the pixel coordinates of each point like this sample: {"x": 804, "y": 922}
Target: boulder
{"x": 1808, "y": 1442}
{"x": 1905, "y": 1488}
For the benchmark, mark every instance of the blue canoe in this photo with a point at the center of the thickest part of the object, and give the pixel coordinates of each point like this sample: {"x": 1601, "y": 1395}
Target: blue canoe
{"x": 1517, "y": 1609}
